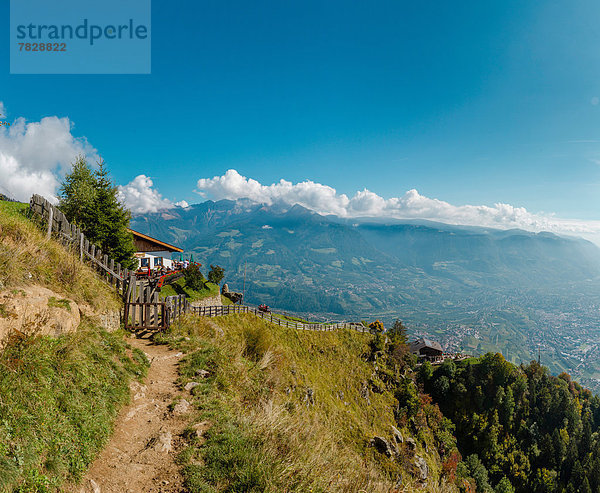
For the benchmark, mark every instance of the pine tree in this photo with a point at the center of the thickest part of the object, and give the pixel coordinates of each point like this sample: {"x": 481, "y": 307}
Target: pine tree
{"x": 77, "y": 193}
{"x": 89, "y": 199}
{"x": 398, "y": 334}
{"x": 112, "y": 220}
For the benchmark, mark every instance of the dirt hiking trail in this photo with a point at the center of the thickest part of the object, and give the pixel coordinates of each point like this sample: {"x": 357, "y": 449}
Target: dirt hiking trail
{"x": 140, "y": 456}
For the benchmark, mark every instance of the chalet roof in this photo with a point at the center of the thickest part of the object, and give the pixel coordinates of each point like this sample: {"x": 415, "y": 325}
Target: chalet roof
{"x": 147, "y": 243}
{"x": 421, "y": 343}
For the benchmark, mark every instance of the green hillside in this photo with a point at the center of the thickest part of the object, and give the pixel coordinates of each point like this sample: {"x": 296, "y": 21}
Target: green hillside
{"x": 289, "y": 410}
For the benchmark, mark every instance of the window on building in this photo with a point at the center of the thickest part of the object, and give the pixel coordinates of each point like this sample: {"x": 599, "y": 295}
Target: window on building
{"x": 157, "y": 261}
{"x": 145, "y": 262}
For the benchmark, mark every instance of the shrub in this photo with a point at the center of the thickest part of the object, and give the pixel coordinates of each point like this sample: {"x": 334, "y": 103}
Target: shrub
{"x": 194, "y": 278}
{"x": 216, "y": 274}
{"x": 376, "y": 327}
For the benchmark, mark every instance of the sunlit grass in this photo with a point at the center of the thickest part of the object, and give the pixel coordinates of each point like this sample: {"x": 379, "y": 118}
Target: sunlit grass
{"x": 58, "y": 400}
{"x": 289, "y": 401}
{"x": 27, "y": 257}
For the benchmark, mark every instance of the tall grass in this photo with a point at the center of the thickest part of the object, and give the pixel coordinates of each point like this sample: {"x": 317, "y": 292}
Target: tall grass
{"x": 27, "y": 257}
{"x": 283, "y": 410}
{"x": 58, "y": 400}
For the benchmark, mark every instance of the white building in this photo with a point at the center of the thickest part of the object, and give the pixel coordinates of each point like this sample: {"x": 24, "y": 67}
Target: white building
{"x": 152, "y": 253}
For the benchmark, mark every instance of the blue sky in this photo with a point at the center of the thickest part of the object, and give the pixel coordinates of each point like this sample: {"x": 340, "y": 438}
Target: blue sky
{"x": 469, "y": 103}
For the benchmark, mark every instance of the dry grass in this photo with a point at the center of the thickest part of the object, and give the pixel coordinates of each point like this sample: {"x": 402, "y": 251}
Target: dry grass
{"x": 27, "y": 257}
{"x": 295, "y": 399}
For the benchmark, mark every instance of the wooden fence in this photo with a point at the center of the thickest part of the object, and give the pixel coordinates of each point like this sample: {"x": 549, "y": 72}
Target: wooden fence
{"x": 177, "y": 306}
{"x": 273, "y": 317}
{"x": 143, "y": 309}
{"x": 56, "y": 225}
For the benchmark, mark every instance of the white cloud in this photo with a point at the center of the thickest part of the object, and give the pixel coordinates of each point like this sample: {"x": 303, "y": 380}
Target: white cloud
{"x": 410, "y": 205}
{"x": 34, "y": 155}
{"x": 2, "y": 110}
{"x": 139, "y": 196}
{"x": 182, "y": 203}
{"x": 266, "y": 226}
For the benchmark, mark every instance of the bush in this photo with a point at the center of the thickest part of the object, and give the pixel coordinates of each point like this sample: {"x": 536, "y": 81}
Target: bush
{"x": 376, "y": 327}
{"x": 408, "y": 397}
{"x": 194, "y": 278}
{"x": 216, "y": 274}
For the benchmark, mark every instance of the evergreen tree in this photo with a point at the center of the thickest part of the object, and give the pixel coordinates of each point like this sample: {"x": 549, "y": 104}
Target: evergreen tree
{"x": 90, "y": 200}
{"x": 425, "y": 372}
{"x": 507, "y": 408}
{"x": 479, "y": 474}
{"x": 398, "y": 333}
{"x": 560, "y": 447}
{"x": 77, "y": 193}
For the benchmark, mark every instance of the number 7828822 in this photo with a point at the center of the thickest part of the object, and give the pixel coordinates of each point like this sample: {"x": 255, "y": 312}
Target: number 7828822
{"x": 42, "y": 46}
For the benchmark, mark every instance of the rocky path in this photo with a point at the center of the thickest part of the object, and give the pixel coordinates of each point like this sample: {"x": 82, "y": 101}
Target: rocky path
{"x": 140, "y": 456}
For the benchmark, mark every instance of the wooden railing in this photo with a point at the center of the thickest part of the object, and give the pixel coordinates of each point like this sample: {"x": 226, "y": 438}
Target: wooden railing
{"x": 151, "y": 316}
{"x": 56, "y": 225}
{"x": 275, "y": 318}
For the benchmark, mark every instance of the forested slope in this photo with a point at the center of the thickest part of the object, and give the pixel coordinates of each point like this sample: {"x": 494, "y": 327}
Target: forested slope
{"x": 538, "y": 431}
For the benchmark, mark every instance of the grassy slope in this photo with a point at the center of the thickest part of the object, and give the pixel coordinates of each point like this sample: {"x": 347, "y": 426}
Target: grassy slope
{"x": 58, "y": 396}
{"x": 59, "y": 399}
{"x": 179, "y": 287}
{"x": 27, "y": 257}
{"x": 265, "y": 433}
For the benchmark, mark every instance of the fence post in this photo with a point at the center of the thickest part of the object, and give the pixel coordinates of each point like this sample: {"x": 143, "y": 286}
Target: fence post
{"x": 155, "y": 300}
{"x": 81, "y": 246}
{"x": 147, "y": 299}
{"x": 50, "y": 219}
{"x": 134, "y": 299}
